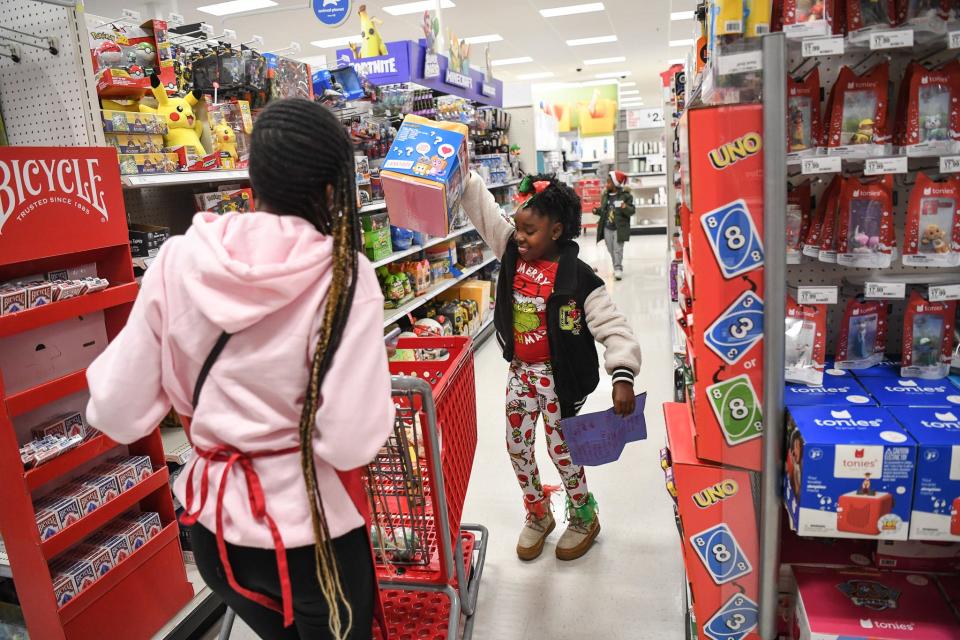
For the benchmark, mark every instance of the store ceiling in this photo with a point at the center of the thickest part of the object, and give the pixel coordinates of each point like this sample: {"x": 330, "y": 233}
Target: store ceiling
{"x": 643, "y": 29}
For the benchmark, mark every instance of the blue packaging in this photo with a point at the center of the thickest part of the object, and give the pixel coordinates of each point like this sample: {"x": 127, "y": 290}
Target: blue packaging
{"x": 840, "y": 389}
{"x": 894, "y": 391}
{"x": 889, "y": 366}
{"x": 936, "y": 493}
{"x": 849, "y": 473}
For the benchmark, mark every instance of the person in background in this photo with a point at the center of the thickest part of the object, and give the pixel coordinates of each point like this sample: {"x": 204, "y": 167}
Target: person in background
{"x": 551, "y": 310}
{"x": 295, "y": 389}
{"x": 615, "y": 211}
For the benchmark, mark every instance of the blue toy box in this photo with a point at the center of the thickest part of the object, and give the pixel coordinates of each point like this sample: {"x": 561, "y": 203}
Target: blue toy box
{"x": 840, "y": 389}
{"x": 849, "y": 473}
{"x": 894, "y": 391}
{"x": 936, "y": 494}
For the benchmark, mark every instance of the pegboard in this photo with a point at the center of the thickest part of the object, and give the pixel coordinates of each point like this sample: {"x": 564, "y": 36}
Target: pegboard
{"x": 814, "y": 272}
{"x": 49, "y": 100}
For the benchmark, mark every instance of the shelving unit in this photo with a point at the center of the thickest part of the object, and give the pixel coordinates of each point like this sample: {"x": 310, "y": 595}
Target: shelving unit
{"x": 392, "y": 315}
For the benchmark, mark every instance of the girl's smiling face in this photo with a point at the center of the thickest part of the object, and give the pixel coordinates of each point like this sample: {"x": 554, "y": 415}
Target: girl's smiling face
{"x": 536, "y": 235}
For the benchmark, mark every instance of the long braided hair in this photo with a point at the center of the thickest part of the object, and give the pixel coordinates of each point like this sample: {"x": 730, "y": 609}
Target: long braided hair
{"x": 300, "y": 152}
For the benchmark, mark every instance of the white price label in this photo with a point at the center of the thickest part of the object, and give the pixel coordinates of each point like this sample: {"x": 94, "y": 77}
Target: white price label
{"x": 949, "y": 164}
{"x": 885, "y": 290}
{"x": 953, "y": 40}
{"x": 943, "y": 292}
{"x": 879, "y": 166}
{"x": 823, "y": 47}
{"x": 206, "y": 29}
{"x": 740, "y": 63}
{"x": 891, "y": 39}
{"x": 131, "y": 15}
{"x": 825, "y": 164}
{"x": 258, "y": 40}
{"x": 230, "y": 34}
{"x": 817, "y": 295}
{"x": 175, "y": 20}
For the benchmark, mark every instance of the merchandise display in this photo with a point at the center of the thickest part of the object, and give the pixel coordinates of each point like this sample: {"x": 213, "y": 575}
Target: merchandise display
{"x": 932, "y": 234}
{"x": 927, "y": 337}
{"x": 806, "y": 328}
{"x": 125, "y": 56}
{"x": 856, "y": 113}
{"x": 863, "y": 335}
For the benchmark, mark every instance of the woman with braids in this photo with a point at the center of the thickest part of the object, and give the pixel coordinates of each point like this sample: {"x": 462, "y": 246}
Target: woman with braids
{"x": 551, "y": 310}
{"x": 278, "y": 320}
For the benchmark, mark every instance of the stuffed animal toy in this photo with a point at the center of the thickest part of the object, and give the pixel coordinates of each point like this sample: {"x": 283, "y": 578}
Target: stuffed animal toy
{"x": 935, "y": 239}
{"x": 226, "y": 141}
{"x": 372, "y": 44}
{"x": 183, "y": 127}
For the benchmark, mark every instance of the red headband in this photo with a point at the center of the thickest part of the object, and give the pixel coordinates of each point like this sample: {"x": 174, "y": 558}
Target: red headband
{"x": 524, "y": 196}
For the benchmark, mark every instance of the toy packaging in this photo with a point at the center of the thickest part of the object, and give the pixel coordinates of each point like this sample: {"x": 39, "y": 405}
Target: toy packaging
{"x": 861, "y": 604}
{"x": 863, "y": 334}
{"x": 803, "y": 114}
{"x": 849, "y": 473}
{"x": 146, "y": 239}
{"x": 425, "y": 173}
{"x": 132, "y": 164}
{"x": 927, "y": 338}
{"x": 917, "y": 555}
{"x": 376, "y": 235}
{"x": 125, "y": 56}
{"x": 827, "y": 251}
{"x": 135, "y": 143}
{"x": 133, "y": 122}
{"x": 288, "y": 78}
{"x": 925, "y": 15}
{"x": 864, "y": 16}
{"x": 798, "y": 221}
{"x": 909, "y": 392}
{"x": 803, "y": 18}
{"x": 932, "y": 237}
{"x": 856, "y": 116}
{"x": 826, "y": 209}
{"x": 226, "y": 201}
{"x": 757, "y": 14}
{"x": 865, "y": 234}
{"x": 928, "y": 119}
{"x": 230, "y": 126}
{"x": 806, "y": 328}
{"x": 839, "y": 389}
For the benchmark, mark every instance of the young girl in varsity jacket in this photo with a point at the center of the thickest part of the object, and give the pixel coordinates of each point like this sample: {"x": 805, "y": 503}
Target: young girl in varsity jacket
{"x": 551, "y": 310}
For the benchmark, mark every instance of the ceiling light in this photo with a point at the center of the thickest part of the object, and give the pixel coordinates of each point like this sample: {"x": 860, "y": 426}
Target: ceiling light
{"x": 572, "y": 9}
{"x": 417, "y": 7}
{"x": 502, "y": 62}
{"x": 235, "y": 6}
{"x": 632, "y": 92}
{"x": 335, "y": 42}
{"x": 634, "y": 100}
{"x": 631, "y": 104}
{"x": 490, "y": 37}
{"x": 579, "y": 42}
{"x": 682, "y": 43}
{"x": 613, "y": 74}
{"x": 681, "y": 15}
{"x": 628, "y": 84}
{"x": 535, "y": 76}
{"x": 594, "y": 61}
{"x": 677, "y": 61}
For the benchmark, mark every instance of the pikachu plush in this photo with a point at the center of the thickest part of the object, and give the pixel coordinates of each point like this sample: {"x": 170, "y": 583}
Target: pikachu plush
{"x": 183, "y": 127}
{"x": 372, "y": 44}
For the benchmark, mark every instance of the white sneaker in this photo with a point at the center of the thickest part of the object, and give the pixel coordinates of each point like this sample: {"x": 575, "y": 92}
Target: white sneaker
{"x": 534, "y": 535}
{"x": 618, "y": 274}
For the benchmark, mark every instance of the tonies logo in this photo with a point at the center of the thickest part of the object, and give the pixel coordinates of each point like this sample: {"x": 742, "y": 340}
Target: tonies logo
{"x": 910, "y": 386}
{"x": 733, "y": 152}
{"x": 946, "y": 420}
{"x": 28, "y": 184}
{"x": 819, "y": 389}
{"x": 844, "y": 419}
{"x": 854, "y": 461}
{"x": 867, "y": 623}
{"x": 715, "y": 493}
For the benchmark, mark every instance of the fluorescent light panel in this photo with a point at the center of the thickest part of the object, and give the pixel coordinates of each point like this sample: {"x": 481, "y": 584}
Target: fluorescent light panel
{"x": 572, "y": 9}
{"x": 681, "y": 15}
{"x": 502, "y": 62}
{"x": 535, "y": 76}
{"x": 335, "y": 42}
{"x": 632, "y": 92}
{"x": 682, "y": 43}
{"x": 613, "y": 74}
{"x": 579, "y": 42}
{"x": 677, "y": 61}
{"x": 417, "y": 7}
{"x": 490, "y": 37}
{"x": 594, "y": 61}
{"x": 628, "y": 84}
{"x": 235, "y": 6}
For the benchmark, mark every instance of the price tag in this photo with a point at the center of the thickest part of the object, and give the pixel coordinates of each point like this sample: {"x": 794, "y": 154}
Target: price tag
{"x": 740, "y": 63}
{"x": 207, "y": 29}
{"x": 885, "y": 290}
{"x": 953, "y": 40}
{"x": 878, "y": 166}
{"x": 817, "y": 295}
{"x": 131, "y": 15}
{"x": 706, "y": 85}
{"x": 823, "y": 47}
{"x": 258, "y": 40}
{"x": 949, "y": 164}
{"x": 943, "y": 292}
{"x": 175, "y": 20}
{"x": 230, "y": 34}
{"x": 824, "y": 164}
{"x": 891, "y": 39}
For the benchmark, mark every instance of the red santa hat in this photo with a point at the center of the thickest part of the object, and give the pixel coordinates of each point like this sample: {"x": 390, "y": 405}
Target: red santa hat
{"x": 619, "y": 178}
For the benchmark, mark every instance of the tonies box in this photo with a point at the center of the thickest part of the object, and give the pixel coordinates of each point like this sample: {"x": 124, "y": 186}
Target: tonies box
{"x": 849, "y": 473}
{"x": 840, "y": 389}
{"x": 894, "y": 391}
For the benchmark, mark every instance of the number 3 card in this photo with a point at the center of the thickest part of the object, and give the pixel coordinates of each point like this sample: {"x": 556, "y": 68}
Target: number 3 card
{"x": 734, "y": 620}
{"x": 733, "y": 236}
{"x": 721, "y": 555}
{"x": 737, "y": 329}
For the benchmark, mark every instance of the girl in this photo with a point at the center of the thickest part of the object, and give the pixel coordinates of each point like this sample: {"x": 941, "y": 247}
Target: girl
{"x": 297, "y": 386}
{"x": 551, "y": 308}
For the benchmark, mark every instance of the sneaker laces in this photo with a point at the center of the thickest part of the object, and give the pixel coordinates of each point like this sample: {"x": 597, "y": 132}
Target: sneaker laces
{"x": 581, "y": 519}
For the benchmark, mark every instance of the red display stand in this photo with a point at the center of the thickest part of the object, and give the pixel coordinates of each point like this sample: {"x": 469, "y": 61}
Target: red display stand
{"x": 62, "y": 208}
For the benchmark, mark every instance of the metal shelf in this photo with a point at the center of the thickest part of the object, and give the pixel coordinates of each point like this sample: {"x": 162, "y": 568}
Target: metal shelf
{"x": 189, "y": 177}
{"x": 392, "y": 315}
{"x": 417, "y": 248}
{"x": 508, "y": 183}
{"x": 373, "y": 206}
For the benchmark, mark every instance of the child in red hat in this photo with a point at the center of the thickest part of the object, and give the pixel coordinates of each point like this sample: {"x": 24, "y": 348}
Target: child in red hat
{"x": 615, "y": 210}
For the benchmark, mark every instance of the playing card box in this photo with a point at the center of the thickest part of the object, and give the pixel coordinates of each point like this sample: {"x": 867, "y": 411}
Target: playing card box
{"x": 151, "y": 523}
{"x": 141, "y": 465}
{"x": 88, "y": 497}
{"x": 106, "y": 486}
{"x": 117, "y": 545}
{"x": 99, "y": 558}
{"x": 65, "y": 508}
{"x": 130, "y": 529}
{"x": 71, "y": 575}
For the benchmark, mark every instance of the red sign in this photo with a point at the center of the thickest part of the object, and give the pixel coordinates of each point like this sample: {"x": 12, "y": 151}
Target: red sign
{"x": 58, "y": 200}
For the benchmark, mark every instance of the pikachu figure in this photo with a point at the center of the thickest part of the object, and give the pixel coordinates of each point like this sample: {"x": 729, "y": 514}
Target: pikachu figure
{"x": 371, "y": 44}
{"x": 183, "y": 127}
{"x": 226, "y": 144}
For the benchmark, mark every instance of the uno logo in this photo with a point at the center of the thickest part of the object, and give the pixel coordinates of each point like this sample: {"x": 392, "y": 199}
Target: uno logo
{"x": 732, "y": 152}
{"x": 710, "y": 496}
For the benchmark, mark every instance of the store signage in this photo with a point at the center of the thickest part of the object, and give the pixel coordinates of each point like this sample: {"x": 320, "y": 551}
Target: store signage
{"x": 885, "y": 290}
{"x": 807, "y": 29}
{"x": 949, "y": 164}
{"x": 431, "y": 66}
{"x": 825, "y": 164}
{"x": 459, "y": 80}
{"x": 943, "y": 292}
{"x": 879, "y": 166}
{"x": 891, "y": 39}
{"x": 740, "y": 63}
{"x": 175, "y": 20}
{"x": 817, "y": 295}
{"x": 489, "y": 90}
{"x": 393, "y": 68}
{"x": 730, "y": 153}
{"x": 644, "y": 118}
{"x": 332, "y": 13}
{"x": 953, "y": 40}
{"x": 823, "y": 47}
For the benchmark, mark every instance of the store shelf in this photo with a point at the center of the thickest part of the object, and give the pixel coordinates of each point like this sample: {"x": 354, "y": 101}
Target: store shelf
{"x": 651, "y": 206}
{"x": 64, "y": 463}
{"x": 508, "y": 183}
{"x": 397, "y": 255}
{"x": 392, "y": 315}
{"x": 373, "y": 206}
{"x": 66, "y": 309}
{"x": 188, "y": 177}
{"x": 45, "y": 393}
{"x": 645, "y": 175}
{"x": 645, "y": 155}
{"x": 176, "y": 447}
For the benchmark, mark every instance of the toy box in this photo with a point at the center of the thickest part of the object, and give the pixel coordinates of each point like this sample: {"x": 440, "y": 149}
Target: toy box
{"x": 125, "y": 56}
{"x": 849, "y": 473}
{"x": 846, "y": 604}
{"x": 133, "y": 122}
{"x": 932, "y": 234}
{"x": 135, "y": 142}
{"x": 226, "y": 201}
{"x": 894, "y": 391}
{"x": 475, "y": 290}
{"x": 927, "y": 337}
{"x": 132, "y": 164}
{"x": 917, "y": 555}
{"x": 230, "y": 126}
{"x": 425, "y": 174}
{"x": 936, "y": 494}
{"x": 146, "y": 239}
{"x": 840, "y": 389}
{"x": 376, "y": 235}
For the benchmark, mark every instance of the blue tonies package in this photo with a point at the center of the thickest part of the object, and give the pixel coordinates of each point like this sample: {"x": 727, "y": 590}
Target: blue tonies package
{"x": 894, "y": 391}
{"x": 840, "y": 389}
{"x": 849, "y": 473}
{"x": 936, "y": 495}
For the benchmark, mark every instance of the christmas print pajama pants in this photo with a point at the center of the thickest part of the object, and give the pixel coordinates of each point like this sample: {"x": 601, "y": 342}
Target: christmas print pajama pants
{"x": 531, "y": 394}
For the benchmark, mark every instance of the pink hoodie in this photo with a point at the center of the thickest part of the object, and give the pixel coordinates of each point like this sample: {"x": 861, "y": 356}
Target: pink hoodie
{"x": 263, "y": 278}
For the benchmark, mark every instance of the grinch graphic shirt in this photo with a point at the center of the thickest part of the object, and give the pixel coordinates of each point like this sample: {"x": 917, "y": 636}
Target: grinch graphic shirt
{"x": 532, "y": 287}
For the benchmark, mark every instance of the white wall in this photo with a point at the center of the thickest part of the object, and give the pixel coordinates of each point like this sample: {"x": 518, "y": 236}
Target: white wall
{"x": 517, "y": 94}
{"x": 523, "y": 133}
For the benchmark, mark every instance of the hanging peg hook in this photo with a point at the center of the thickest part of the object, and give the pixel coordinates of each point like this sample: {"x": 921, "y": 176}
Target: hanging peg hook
{"x": 52, "y": 42}
{"x": 14, "y": 53}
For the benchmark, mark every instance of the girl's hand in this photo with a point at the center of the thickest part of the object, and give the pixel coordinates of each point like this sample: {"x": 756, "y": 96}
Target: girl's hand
{"x": 624, "y": 402}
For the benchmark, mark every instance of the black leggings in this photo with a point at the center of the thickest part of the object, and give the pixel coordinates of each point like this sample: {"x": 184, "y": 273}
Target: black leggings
{"x": 256, "y": 569}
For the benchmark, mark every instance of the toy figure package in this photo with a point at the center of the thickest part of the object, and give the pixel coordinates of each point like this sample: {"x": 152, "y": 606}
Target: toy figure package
{"x": 856, "y": 117}
{"x": 826, "y": 207}
{"x": 932, "y": 237}
{"x": 810, "y": 18}
{"x": 288, "y": 78}
{"x": 829, "y": 227}
{"x": 927, "y": 338}
{"x": 757, "y": 13}
{"x": 925, "y": 15}
{"x": 865, "y": 235}
{"x": 230, "y": 126}
{"x": 928, "y": 113}
{"x": 863, "y": 334}
{"x": 726, "y": 17}
{"x": 864, "y": 16}
{"x": 425, "y": 174}
{"x": 124, "y": 56}
{"x": 798, "y": 221}
{"x": 803, "y": 114}
{"x": 806, "y": 346}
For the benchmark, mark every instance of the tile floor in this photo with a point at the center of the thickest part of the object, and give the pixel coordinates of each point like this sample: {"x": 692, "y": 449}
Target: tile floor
{"x": 630, "y": 584}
